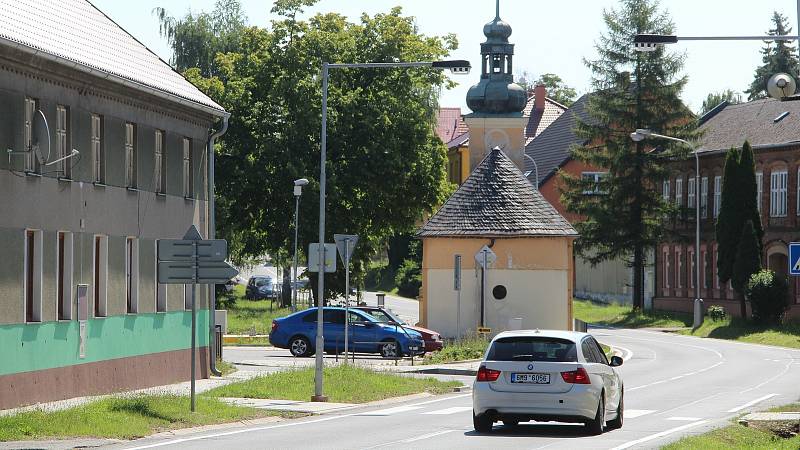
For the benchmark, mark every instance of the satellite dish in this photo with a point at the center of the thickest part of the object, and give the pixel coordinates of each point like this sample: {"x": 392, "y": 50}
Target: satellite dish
{"x": 781, "y": 85}
{"x": 40, "y": 137}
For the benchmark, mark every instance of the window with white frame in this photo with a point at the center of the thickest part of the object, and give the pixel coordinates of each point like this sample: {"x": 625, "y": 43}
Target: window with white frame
{"x": 160, "y": 164}
{"x": 704, "y": 197}
{"x": 31, "y": 163}
{"x": 130, "y": 155}
{"x": 690, "y": 195}
{"x": 188, "y": 186}
{"x": 692, "y": 265}
{"x": 777, "y": 198}
{"x": 62, "y": 142}
{"x": 716, "y": 277}
{"x": 161, "y": 289}
{"x": 759, "y": 189}
{"x": 594, "y": 178}
{"x": 98, "y": 162}
{"x": 64, "y": 270}
{"x": 100, "y": 275}
{"x": 678, "y": 268}
{"x": 717, "y": 194}
{"x": 33, "y": 275}
{"x": 679, "y": 191}
{"x": 132, "y": 275}
{"x": 666, "y": 274}
{"x": 665, "y": 191}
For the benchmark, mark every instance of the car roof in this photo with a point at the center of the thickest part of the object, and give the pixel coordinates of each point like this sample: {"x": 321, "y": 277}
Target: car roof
{"x": 574, "y": 336}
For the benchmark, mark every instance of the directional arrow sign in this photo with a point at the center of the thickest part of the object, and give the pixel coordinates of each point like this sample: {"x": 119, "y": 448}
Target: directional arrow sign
{"x": 182, "y": 250}
{"x": 176, "y": 272}
{"x": 215, "y": 272}
{"x": 341, "y": 240}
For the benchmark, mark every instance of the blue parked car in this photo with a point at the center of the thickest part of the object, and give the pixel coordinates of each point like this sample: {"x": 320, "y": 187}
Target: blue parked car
{"x": 298, "y": 333}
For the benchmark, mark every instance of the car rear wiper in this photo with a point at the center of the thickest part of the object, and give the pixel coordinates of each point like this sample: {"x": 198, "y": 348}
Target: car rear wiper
{"x": 522, "y": 357}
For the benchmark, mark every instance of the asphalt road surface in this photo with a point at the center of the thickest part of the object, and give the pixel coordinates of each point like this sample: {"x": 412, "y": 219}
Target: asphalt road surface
{"x": 674, "y": 386}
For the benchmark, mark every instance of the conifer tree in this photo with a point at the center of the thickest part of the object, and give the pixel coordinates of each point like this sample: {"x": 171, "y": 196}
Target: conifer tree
{"x": 631, "y": 90}
{"x": 748, "y": 262}
{"x": 777, "y": 56}
{"x": 730, "y": 218}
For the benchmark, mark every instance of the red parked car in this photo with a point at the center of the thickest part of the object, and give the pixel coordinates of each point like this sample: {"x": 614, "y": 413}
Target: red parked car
{"x": 433, "y": 340}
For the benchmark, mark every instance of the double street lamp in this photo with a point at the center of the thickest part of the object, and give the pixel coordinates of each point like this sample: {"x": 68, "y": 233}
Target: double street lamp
{"x": 640, "y": 135}
{"x": 459, "y": 67}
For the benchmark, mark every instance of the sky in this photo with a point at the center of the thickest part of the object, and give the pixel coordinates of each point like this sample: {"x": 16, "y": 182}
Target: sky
{"x": 550, "y": 36}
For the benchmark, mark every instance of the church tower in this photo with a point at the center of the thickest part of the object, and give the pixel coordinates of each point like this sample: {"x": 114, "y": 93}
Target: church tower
{"x": 496, "y": 101}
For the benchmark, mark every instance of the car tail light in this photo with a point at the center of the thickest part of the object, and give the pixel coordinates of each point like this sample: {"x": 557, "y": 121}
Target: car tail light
{"x": 485, "y": 374}
{"x": 576, "y": 376}
{"x": 274, "y": 325}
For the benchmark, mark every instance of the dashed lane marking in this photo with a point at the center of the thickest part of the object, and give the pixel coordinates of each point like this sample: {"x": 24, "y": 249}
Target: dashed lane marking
{"x": 634, "y": 413}
{"x": 428, "y": 436}
{"x": 453, "y": 410}
{"x": 751, "y": 403}
{"x": 659, "y": 435}
{"x": 390, "y": 411}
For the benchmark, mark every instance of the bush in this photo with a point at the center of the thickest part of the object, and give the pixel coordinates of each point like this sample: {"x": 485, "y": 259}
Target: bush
{"x": 716, "y": 312}
{"x": 769, "y": 296}
{"x": 408, "y": 278}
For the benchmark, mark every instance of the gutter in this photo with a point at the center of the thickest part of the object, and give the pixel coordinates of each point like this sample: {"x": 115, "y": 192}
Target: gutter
{"x": 782, "y": 145}
{"x": 212, "y": 231}
{"x": 115, "y": 78}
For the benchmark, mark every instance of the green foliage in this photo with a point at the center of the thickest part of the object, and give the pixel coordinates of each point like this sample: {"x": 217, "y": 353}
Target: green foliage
{"x": 717, "y": 312}
{"x": 737, "y": 437}
{"x": 127, "y": 417}
{"x": 624, "y": 316}
{"x": 385, "y": 166}
{"x": 470, "y": 347}
{"x": 631, "y": 90}
{"x": 768, "y": 294}
{"x": 728, "y": 227}
{"x": 737, "y": 329}
{"x": 715, "y": 98}
{"x": 748, "y": 258}
{"x": 408, "y": 278}
{"x": 556, "y": 88}
{"x": 777, "y": 57}
{"x": 748, "y": 202}
{"x": 343, "y": 383}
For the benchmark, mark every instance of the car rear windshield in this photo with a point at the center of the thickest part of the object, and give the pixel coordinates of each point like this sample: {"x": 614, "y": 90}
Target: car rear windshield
{"x": 531, "y": 348}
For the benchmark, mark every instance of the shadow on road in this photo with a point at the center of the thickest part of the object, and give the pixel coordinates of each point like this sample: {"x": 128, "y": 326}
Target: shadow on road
{"x": 534, "y": 430}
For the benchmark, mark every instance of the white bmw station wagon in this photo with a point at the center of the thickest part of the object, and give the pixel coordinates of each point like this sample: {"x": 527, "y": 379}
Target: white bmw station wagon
{"x": 547, "y": 375}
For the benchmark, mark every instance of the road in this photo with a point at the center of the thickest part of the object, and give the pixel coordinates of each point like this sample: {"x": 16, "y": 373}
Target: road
{"x": 675, "y": 386}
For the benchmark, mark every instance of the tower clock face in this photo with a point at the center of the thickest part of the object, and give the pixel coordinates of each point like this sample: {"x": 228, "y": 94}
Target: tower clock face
{"x": 497, "y": 138}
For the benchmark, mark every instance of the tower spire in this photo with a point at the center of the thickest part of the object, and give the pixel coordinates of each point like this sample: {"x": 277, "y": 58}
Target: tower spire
{"x": 497, "y": 10}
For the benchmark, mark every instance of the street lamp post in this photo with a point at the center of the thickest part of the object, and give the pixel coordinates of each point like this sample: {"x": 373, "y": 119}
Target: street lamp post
{"x": 640, "y": 135}
{"x": 460, "y": 67}
{"x": 535, "y": 168}
{"x": 298, "y": 191}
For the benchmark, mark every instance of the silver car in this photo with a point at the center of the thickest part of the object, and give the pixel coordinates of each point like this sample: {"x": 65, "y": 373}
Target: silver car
{"x": 547, "y": 375}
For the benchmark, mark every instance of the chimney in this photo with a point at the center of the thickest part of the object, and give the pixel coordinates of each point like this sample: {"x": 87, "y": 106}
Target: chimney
{"x": 539, "y": 93}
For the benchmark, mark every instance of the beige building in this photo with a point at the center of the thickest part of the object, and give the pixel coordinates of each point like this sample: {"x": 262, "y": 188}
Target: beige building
{"x": 530, "y": 283}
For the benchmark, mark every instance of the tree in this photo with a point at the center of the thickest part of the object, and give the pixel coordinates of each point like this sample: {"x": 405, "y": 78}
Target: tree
{"x": 715, "y": 98}
{"x": 556, "y": 88}
{"x": 748, "y": 262}
{"x": 627, "y": 218}
{"x": 768, "y": 294}
{"x": 386, "y": 168}
{"x": 777, "y": 57}
{"x": 738, "y": 205}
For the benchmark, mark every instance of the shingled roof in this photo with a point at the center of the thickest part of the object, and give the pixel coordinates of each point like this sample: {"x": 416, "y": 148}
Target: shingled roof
{"x": 496, "y": 201}
{"x": 762, "y": 122}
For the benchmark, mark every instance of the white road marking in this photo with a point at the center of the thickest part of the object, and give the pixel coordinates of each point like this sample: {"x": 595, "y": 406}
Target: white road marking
{"x": 634, "y": 413}
{"x": 269, "y": 427}
{"x": 453, "y": 410}
{"x": 626, "y": 354}
{"x": 390, "y": 411}
{"x": 659, "y": 435}
{"x": 429, "y": 435}
{"x": 684, "y": 419}
{"x": 751, "y": 403}
{"x": 785, "y": 369}
{"x": 673, "y": 378}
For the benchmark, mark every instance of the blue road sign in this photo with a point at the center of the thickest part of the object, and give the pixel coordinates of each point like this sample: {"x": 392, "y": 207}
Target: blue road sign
{"x": 794, "y": 258}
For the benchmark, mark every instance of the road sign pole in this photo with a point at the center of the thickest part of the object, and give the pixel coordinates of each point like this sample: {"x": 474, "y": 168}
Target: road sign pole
{"x": 346, "y": 298}
{"x": 194, "y": 331}
{"x": 457, "y": 285}
{"x": 483, "y": 290}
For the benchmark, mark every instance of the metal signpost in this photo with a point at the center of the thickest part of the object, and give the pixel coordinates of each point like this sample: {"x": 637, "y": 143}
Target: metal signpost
{"x": 194, "y": 261}
{"x": 485, "y": 258}
{"x": 322, "y": 259}
{"x": 344, "y": 243}
{"x": 457, "y": 287}
{"x": 794, "y": 258}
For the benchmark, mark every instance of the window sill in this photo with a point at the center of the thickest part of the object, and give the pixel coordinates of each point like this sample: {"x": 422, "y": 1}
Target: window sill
{"x": 99, "y": 184}
{"x": 161, "y": 194}
{"x": 189, "y": 199}
{"x": 28, "y": 173}
{"x": 131, "y": 189}
{"x": 65, "y": 179}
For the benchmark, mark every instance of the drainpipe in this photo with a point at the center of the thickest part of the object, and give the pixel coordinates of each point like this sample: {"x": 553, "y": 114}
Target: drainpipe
{"x": 212, "y": 304}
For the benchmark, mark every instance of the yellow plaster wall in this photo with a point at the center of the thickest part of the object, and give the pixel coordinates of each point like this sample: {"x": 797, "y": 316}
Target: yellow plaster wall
{"x": 511, "y": 129}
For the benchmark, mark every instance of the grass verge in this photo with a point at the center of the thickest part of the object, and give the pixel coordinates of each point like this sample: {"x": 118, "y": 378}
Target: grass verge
{"x": 471, "y": 347}
{"x": 252, "y": 316}
{"x": 735, "y": 329}
{"x": 124, "y": 418}
{"x": 344, "y": 384}
{"x": 225, "y": 367}
{"x": 617, "y": 315}
{"x": 781, "y": 436}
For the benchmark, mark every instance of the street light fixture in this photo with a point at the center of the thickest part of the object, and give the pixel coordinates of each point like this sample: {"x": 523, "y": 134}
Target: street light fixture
{"x": 457, "y": 67}
{"x": 640, "y": 135}
{"x": 298, "y": 191}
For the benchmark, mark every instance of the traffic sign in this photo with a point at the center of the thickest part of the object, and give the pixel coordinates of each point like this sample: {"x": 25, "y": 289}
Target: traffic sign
{"x": 182, "y": 250}
{"x": 215, "y": 272}
{"x": 484, "y": 330}
{"x": 794, "y": 258}
{"x": 313, "y": 257}
{"x": 490, "y": 257}
{"x": 457, "y": 272}
{"x": 193, "y": 260}
{"x": 341, "y": 240}
{"x": 176, "y": 272}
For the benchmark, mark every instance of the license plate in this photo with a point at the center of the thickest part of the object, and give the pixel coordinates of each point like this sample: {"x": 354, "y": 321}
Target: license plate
{"x": 532, "y": 378}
